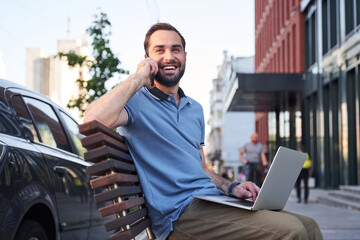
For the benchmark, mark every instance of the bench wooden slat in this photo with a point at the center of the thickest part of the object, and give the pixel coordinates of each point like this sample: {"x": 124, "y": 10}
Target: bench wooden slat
{"x": 125, "y": 220}
{"x": 100, "y": 139}
{"x": 116, "y": 178}
{"x": 104, "y": 152}
{"x": 92, "y": 127}
{"x": 132, "y": 232}
{"x": 122, "y": 191}
{"x": 106, "y": 166}
{"x": 121, "y": 206}
{"x": 111, "y": 179}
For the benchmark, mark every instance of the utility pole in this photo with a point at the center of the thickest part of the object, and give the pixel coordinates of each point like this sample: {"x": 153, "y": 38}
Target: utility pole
{"x": 153, "y": 10}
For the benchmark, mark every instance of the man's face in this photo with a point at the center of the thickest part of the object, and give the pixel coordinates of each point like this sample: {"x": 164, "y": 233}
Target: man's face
{"x": 254, "y": 137}
{"x": 166, "y": 48}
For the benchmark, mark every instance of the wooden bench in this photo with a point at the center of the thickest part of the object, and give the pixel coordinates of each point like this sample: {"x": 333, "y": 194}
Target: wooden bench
{"x": 114, "y": 174}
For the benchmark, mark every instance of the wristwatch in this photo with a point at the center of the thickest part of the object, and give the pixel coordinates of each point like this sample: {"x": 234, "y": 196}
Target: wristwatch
{"x": 231, "y": 188}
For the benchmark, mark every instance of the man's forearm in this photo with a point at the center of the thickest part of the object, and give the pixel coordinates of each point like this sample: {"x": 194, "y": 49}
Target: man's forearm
{"x": 107, "y": 109}
{"x": 220, "y": 182}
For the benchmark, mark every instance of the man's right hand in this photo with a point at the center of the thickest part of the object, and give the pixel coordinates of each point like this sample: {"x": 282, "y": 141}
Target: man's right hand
{"x": 146, "y": 68}
{"x": 109, "y": 108}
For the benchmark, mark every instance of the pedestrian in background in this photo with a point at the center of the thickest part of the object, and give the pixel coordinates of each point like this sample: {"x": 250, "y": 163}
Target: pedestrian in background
{"x": 252, "y": 156}
{"x": 241, "y": 176}
{"x": 304, "y": 175}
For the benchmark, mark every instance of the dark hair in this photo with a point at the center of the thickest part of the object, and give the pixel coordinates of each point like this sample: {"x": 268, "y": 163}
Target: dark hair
{"x": 161, "y": 26}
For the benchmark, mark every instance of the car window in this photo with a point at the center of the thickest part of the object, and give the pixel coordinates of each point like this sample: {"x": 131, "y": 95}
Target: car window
{"x": 8, "y": 124}
{"x": 24, "y": 118}
{"x": 74, "y": 132}
{"x": 48, "y": 124}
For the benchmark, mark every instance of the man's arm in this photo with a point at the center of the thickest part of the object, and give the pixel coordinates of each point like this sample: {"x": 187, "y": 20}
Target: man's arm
{"x": 244, "y": 190}
{"x": 242, "y": 159}
{"x": 109, "y": 108}
{"x": 263, "y": 159}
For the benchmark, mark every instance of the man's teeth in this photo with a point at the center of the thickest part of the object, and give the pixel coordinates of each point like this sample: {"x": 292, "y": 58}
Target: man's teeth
{"x": 169, "y": 68}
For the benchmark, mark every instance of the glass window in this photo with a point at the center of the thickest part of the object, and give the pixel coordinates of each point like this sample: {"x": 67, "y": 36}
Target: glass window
{"x": 48, "y": 124}
{"x": 333, "y": 23}
{"x": 325, "y": 25}
{"x": 313, "y": 40}
{"x": 349, "y": 16}
{"x": 307, "y": 49}
{"x": 284, "y": 121}
{"x": 24, "y": 118}
{"x": 8, "y": 124}
{"x": 357, "y": 12}
{"x": 74, "y": 133}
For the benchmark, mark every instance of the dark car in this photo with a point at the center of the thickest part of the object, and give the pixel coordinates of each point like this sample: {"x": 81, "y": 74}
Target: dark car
{"x": 44, "y": 189}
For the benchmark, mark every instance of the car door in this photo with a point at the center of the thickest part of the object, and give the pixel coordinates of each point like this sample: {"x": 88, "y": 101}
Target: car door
{"x": 97, "y": 229}
{"x": 67, "y": 172}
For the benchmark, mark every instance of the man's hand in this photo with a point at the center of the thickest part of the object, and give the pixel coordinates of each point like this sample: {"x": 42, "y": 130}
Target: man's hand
{"x": 246, "y": 190}
{"x": 109, "y": 108}
{"x": 146, "y": 68}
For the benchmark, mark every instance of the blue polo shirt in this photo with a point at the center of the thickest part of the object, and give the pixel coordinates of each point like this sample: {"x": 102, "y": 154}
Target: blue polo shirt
{"x": 164, "y": 140}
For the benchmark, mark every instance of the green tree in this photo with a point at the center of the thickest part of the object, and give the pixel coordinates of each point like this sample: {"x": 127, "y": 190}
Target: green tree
{"x": 103, "y": 65}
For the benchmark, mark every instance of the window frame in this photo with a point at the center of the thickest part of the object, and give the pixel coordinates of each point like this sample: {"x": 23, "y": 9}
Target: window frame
{"x": 75, "y": 150}
{"x": 30, "y": 114}
{"x": 72, "y": 149}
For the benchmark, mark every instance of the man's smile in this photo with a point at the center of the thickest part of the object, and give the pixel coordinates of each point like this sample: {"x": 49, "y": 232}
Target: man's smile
{"x": 169, "y": 68}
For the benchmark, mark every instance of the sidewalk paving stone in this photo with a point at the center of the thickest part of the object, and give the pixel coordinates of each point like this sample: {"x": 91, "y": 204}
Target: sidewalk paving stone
{"x": 335, "y": 223}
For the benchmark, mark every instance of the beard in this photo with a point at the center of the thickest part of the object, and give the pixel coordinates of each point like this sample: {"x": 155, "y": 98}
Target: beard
{"x": 170, "y": 80}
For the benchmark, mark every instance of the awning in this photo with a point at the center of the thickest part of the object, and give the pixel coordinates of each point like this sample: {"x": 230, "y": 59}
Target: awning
{"x": 264, "y": 92}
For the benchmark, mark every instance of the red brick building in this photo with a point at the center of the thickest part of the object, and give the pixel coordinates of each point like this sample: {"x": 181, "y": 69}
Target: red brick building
{"x": 279, "y": 48}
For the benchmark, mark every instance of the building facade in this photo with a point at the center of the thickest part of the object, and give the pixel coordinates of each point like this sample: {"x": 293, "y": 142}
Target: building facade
{"x": 279, "y": 49}
{"x": 332, "y": 111}
{"x": 229, "y": 130}
{"x": 52, "y": 77}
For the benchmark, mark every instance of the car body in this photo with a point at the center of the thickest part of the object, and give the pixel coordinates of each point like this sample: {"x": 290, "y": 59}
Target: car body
{"x": 44, "y": 189}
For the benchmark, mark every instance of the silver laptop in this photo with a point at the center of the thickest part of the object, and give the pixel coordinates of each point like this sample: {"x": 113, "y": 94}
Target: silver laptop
{"x": 276, "y": 187}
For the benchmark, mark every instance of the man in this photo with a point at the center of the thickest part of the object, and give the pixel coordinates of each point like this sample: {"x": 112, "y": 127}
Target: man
{"x": 254, "y": 156}
{"x": 304, "y": 175}
{"x": 164, "y": 131}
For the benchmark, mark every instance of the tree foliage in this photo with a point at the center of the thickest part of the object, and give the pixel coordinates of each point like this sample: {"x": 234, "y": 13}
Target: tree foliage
{"x": 103, "y": 66}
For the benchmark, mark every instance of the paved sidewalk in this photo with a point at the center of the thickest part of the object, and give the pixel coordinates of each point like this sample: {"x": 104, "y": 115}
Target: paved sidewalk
{"x": 335, "y": 223}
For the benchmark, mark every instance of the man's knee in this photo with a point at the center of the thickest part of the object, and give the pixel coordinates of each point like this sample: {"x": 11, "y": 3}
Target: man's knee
{"x": 297, "y": 232}
{"x": 287, "y": 226}
{"x": 303, "y": 227}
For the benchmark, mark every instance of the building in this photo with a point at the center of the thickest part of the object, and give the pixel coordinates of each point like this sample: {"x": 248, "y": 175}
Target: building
{"x": 52, "y": 77}
{"x": 332, "y": 111}
{"x": 279, "y": 54}
{"x": 229, "y": 130}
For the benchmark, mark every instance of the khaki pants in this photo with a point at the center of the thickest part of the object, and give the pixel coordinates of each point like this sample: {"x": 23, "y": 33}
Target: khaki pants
{"x": 208, "y": 220}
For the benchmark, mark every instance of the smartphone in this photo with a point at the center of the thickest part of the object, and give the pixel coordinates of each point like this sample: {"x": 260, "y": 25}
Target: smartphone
{"x": 151, "y": 76}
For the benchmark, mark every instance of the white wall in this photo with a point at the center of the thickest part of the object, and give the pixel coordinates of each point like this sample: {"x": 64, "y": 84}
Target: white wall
{"x": 237, "y": 128}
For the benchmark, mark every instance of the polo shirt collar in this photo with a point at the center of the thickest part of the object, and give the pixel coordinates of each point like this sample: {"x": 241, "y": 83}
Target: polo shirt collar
{"x": 159, "y": 95}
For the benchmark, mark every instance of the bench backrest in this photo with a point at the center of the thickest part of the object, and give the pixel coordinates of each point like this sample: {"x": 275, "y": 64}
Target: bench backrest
{"x": 114, "y": 174}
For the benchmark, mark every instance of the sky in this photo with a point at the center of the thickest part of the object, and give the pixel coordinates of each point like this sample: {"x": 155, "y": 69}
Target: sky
{"x": 208, "y": 26}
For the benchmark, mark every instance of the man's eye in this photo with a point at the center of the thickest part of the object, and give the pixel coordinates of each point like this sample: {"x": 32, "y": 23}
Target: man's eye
{"x": 159, "y": 50}
{"x": 176, "y": 50}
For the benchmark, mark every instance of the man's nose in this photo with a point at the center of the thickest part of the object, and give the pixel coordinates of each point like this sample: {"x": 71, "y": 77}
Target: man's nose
{"x": 168, "y": 55}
